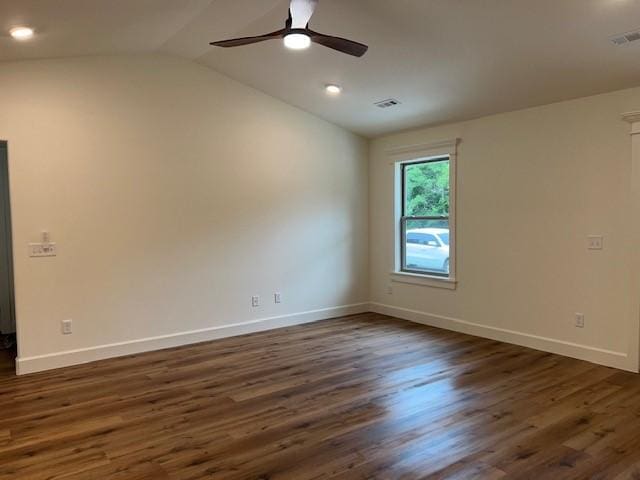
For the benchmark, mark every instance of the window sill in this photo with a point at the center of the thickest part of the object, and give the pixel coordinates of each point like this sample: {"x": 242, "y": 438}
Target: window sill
{"x": 424, "y": 280}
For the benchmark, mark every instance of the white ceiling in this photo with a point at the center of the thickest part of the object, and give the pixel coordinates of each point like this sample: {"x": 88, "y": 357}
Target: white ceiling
{"x": 445, "y": 60}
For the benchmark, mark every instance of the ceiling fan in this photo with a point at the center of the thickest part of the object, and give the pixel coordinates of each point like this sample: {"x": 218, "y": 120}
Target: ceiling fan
{"x": 298, "y": 36}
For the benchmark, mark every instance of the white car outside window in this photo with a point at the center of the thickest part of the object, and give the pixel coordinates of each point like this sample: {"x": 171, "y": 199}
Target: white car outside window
{"x": 427, "y": 249}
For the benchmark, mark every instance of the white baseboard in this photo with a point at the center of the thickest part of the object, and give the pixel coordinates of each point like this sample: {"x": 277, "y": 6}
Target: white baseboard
{"x": 583, "y": 352}
{"x": 25, "y": 365}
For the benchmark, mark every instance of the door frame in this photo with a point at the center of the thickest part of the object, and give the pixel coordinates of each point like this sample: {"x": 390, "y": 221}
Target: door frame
{"x": 5, "y": 210}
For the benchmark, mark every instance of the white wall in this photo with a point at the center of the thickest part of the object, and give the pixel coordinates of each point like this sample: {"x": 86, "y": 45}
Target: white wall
{"x": 174, "y": 194}
{"x": 532, "y": 185}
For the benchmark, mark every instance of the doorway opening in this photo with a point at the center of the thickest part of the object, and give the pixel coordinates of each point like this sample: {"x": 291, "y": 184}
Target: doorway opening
{"x": 8, "y": 347}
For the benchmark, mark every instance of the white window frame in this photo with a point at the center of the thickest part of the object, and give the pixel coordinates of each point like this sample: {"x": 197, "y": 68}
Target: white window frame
{"x": 413, "y": 154}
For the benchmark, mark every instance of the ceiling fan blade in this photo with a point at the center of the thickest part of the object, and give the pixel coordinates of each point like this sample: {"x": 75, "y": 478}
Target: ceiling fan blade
{"x": 341, "y": 44}
{"x": 301, "y": 12}
{"x": 238, "y": 42}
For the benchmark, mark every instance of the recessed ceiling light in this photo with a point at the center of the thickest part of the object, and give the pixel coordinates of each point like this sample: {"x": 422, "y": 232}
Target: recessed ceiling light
{"x": 333, "y": 89}
{"x": 297, "y": 41}
{"x": 21, "y": 33}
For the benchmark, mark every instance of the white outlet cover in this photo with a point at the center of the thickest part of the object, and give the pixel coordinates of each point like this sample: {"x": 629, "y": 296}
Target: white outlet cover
{"x": 595, "y": 242}
{"x": 67, "y": 327}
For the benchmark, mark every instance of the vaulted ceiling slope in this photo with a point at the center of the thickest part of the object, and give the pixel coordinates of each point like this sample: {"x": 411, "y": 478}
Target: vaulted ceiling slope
{"x": 445, "y": 60}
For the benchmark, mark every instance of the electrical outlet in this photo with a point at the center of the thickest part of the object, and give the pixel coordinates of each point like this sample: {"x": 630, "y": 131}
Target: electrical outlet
{"x": 595, "y": 242}
{"x": 277, "y": 297}
{"x": 580, "y": 320}
{"x": 390, "y": 289}
{"x": 67, "y": 327}
{"x": 255, "y": 301}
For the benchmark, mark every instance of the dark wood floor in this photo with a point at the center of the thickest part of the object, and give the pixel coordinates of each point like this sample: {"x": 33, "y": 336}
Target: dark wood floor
{"x": 364, "y": 397}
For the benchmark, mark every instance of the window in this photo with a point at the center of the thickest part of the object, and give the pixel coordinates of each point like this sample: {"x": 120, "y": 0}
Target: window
{"x": 424, "y": 233}
{"x": 424, "y": 230}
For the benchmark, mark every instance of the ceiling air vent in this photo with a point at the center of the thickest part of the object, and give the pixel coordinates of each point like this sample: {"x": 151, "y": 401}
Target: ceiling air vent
{"x": 625, "y": 38}
{"x": 390, "y": 102}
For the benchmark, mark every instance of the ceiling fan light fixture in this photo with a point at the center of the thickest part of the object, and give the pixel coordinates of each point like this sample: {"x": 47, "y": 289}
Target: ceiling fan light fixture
{"x": 297, "y": 41}
{"x": 297, "y": 35}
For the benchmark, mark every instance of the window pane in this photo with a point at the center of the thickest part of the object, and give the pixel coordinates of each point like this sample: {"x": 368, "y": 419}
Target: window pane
{"x": 426, "y": 188}
{"x": 426, "y": 246}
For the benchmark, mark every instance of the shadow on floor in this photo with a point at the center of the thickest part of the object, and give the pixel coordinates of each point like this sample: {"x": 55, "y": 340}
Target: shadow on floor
{"x": 8, "y": 362}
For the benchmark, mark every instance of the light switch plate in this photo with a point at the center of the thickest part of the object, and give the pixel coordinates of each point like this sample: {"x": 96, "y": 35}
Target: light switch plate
{"x": 43, "y": 250}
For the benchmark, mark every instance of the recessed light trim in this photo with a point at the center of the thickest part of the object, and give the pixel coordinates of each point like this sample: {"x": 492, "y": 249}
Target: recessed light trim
{"x": 21, "y": 33}
{"x": 333, "y": 89}
{"x": 297, "y": 41}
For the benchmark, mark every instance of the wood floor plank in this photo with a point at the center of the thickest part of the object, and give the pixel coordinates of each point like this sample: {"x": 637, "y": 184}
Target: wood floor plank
{"x": 360, "y": 397}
